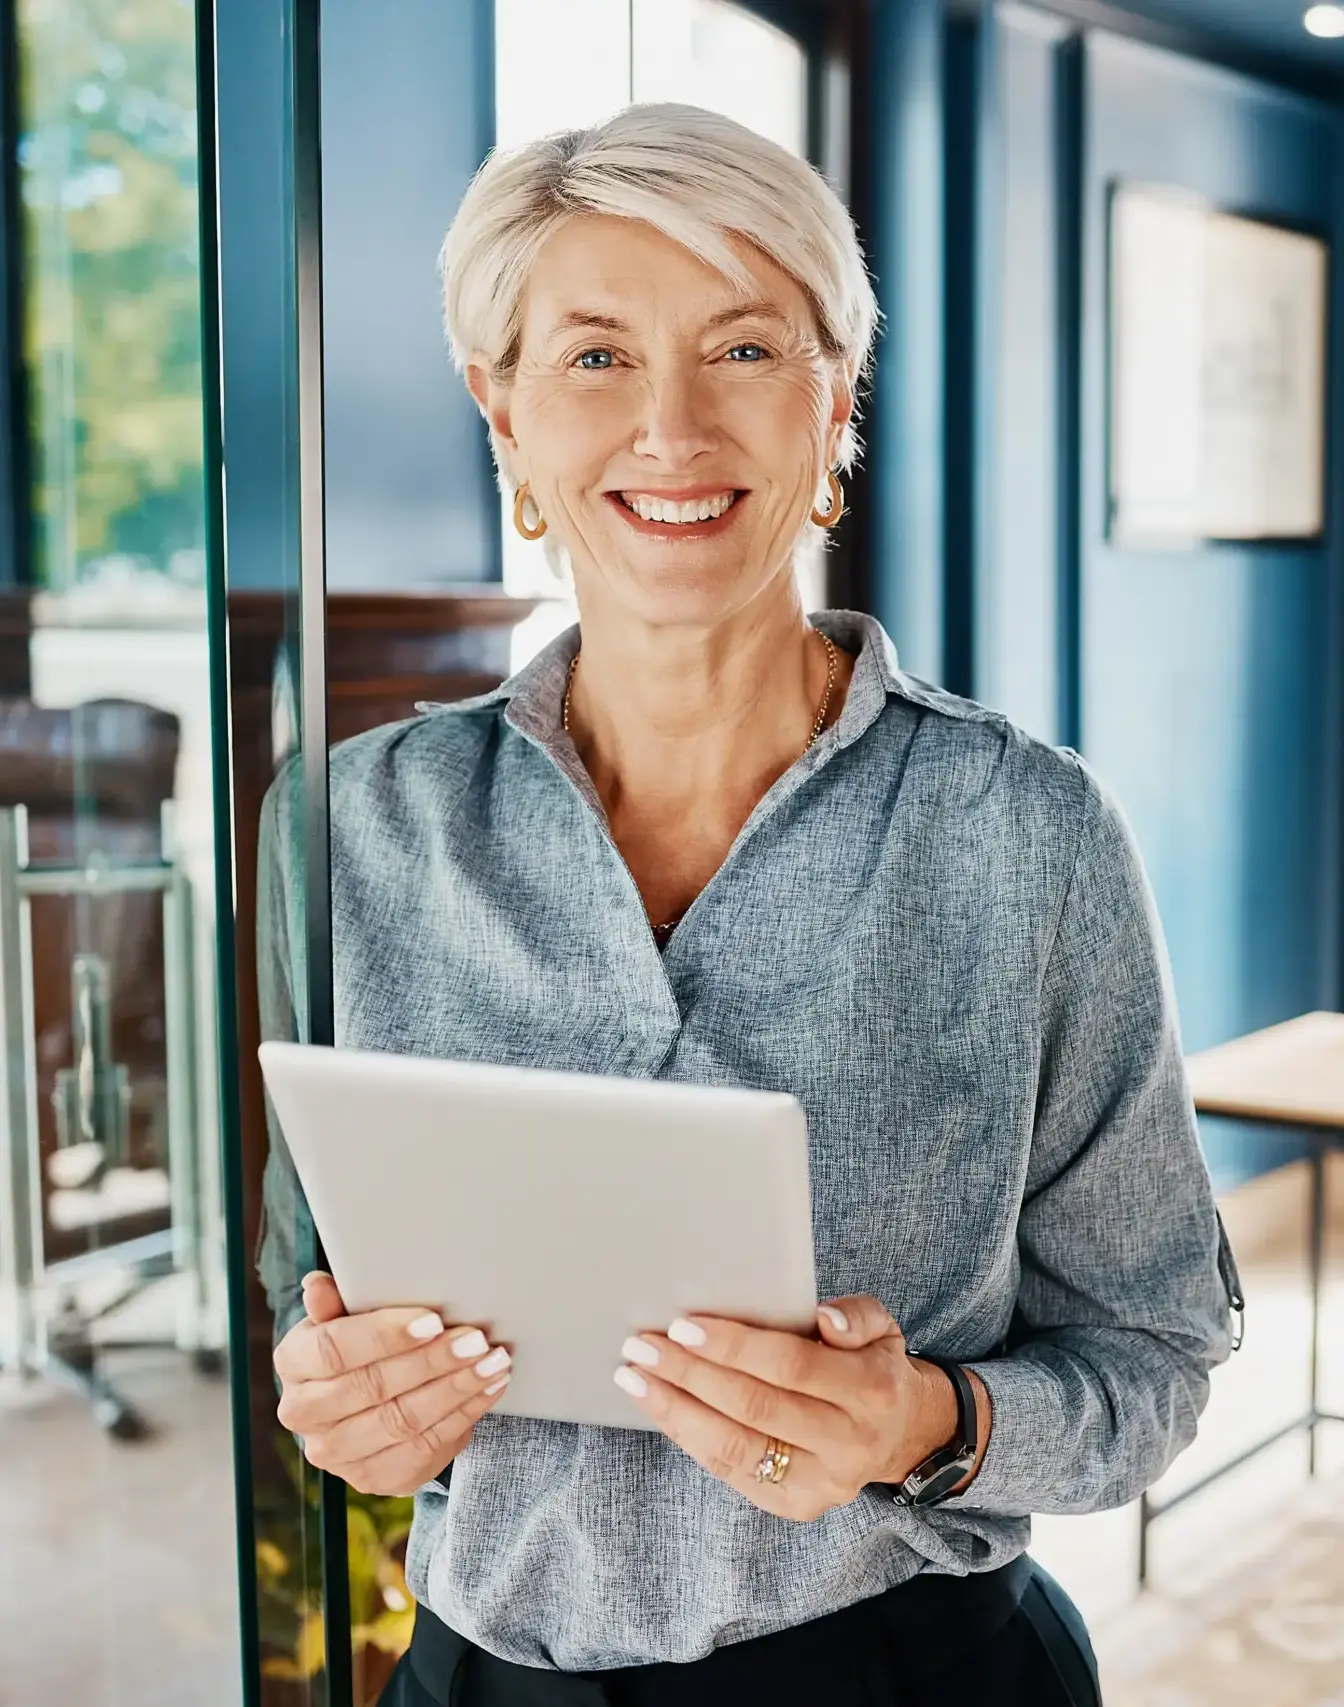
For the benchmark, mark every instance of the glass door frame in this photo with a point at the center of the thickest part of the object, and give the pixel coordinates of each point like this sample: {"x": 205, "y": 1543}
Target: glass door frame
{"x": 300, "y": 30}
{"x": 237, "y": 1256}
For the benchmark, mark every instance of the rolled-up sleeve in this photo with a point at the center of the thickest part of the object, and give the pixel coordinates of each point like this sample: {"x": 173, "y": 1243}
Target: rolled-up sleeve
{"x": 1122, "y": 1311}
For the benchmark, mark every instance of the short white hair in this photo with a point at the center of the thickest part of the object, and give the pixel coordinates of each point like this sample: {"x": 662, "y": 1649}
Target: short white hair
{"x": 698, "y": 177}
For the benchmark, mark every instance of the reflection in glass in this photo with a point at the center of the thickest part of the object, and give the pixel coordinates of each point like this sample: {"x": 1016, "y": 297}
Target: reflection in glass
{"x": 108, "y": 161}
{"x": 115, "y": 1482}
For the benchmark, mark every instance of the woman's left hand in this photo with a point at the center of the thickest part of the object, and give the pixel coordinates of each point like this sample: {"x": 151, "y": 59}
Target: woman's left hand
{"x": 853, "y": 1407}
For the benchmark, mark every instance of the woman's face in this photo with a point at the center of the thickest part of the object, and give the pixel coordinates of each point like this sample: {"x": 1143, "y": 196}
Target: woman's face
{"x": 674, "y": 432}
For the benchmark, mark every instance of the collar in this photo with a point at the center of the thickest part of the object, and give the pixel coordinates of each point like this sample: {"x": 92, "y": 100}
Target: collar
{"x": 533, "y": 696}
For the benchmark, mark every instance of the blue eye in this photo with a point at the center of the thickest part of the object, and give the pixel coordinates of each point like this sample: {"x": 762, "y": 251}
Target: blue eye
{"x": 583, "y": 360}
{"x": 761, "y": 351}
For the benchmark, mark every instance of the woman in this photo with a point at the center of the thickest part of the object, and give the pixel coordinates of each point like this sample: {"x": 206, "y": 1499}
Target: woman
{"x": 701, "y": 837}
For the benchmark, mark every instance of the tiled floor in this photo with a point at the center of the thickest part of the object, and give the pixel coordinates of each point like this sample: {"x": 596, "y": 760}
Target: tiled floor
{"x": 117, "y": 1573}
{"x": 117, "y": 1562}
{"x": 1267, "y": 1631}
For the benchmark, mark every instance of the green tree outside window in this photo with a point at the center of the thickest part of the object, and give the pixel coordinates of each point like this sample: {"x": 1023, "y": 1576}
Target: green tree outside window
{"x": 108, "y": 166}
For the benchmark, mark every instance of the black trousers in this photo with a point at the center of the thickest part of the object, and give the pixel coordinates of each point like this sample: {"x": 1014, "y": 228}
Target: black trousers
{"x": 1012, "y": 1639}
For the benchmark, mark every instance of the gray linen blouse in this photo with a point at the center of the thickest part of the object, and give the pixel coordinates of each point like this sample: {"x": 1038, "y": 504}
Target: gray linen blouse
{"x": 935, "y": 932}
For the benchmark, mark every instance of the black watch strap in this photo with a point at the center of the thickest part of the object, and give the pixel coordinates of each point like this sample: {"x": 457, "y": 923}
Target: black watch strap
{"x": 932, "y": 1481}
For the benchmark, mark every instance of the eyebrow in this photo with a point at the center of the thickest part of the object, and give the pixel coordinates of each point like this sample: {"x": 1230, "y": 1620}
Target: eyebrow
{"x": 589, "y": 319}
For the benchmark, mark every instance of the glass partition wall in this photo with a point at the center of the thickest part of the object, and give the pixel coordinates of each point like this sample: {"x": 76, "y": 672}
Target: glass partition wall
{"x": 117, "y": 1574}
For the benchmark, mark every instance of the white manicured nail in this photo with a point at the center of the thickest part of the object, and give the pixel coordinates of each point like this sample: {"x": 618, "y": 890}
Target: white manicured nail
{"x": 471, "y": 1344}
{"x": 837, "y": 1318}
{"x": 497, "y": 1360}
{"x": 640, "y": 1351}
{"x": 633, "y": 1382}
{"x": 424, "y": 1327}
{"x": 499, "y": 1386}
{"x": 686, "y": 1333}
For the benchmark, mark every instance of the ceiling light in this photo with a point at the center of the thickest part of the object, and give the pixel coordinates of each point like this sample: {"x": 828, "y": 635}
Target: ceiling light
{"x": 1326, "y": 21}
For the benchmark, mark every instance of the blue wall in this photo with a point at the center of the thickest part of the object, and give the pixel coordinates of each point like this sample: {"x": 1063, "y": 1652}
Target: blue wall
{"x": 1203, "y": 685}
{"x": 407, "y": 116}
{"x": 905, "y": 250}
{"x": 1022, "y": 574}
{"x": 256, "y": 295}
{"x": 1207, "y": 677}
{"x": 408, "y": 113}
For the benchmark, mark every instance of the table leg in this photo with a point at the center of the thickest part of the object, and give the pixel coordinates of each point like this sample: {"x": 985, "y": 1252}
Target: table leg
{"x": 1317, "y": 1264}
{"x": 1151, "y": 1509}
{"x": 1145, "y": 1520}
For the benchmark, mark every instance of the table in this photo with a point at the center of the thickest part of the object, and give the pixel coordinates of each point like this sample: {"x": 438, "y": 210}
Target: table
{"x": 1287, "y": 1076}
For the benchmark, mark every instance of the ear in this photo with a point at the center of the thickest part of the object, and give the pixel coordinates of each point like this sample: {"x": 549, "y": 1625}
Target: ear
{"x": 492, "y": 399}
{"x": 842, "y": 411}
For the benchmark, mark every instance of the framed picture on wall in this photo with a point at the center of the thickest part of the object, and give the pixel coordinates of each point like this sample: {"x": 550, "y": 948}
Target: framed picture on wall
{"x": 1218, "y": 341}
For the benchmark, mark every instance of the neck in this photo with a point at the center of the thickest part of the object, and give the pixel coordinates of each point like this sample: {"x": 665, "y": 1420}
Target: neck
{"x": 667, "y": 717}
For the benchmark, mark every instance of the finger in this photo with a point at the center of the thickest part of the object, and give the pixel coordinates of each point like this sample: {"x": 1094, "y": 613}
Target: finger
{"x": 406, "y": 1416}
{"x": 785, "y": 1360}
{"x": 760, "y": 1407}
{"x": 313, "y": 1351}
{"x": 855, "y": 1322}
{"x": 308, "y": 1405}
{"x": 321, "y": 1300}
{"x": 724, "y": 1447}
{"x": 402, "y": 1469}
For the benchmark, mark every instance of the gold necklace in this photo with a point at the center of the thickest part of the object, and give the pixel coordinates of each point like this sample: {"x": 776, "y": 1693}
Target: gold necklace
{"x": 832, "y": 663}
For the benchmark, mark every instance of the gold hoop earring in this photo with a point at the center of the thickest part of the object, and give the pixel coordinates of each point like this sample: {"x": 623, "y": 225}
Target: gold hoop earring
{"x": 520, "y": 521}
{"x": 828, "y": 518}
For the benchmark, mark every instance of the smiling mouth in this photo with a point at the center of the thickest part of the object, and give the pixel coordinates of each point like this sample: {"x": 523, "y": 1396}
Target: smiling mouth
{"x": 669, "y": 512}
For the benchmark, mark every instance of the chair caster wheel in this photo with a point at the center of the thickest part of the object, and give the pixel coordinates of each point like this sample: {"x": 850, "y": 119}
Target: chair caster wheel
{"x": 121, "y": 1421}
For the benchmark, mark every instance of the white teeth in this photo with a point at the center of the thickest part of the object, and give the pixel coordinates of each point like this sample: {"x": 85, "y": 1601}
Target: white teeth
{"x": 664, "y": 510}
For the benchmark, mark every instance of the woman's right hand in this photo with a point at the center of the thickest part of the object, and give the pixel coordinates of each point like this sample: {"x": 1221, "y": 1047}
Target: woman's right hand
{"x": 387, "y": 1398}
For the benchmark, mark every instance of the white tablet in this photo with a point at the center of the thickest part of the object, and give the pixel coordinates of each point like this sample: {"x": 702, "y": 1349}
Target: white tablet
{"x": 559, "y": 1212}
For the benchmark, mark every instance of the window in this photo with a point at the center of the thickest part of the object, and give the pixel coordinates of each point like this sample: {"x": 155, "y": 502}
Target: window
{"x": 562, "y": 67}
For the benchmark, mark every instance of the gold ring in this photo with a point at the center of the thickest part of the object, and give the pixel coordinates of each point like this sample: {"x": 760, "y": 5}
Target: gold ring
{"x": 775, "y": 1461}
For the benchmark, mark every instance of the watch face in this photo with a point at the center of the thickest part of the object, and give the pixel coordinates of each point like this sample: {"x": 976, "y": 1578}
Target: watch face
{"x": 940, "y": 1483}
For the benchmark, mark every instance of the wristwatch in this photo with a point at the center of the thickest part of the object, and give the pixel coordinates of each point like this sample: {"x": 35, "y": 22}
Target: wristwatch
{"x": 931, "y": 1482}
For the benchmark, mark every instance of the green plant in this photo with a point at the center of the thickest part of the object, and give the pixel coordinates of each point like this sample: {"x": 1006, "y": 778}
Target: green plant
{"x": 108, "y": 165}
{"x": 289, "y": 1578}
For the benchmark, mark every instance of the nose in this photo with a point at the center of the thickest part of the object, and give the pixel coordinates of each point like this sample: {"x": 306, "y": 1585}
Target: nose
{"x": 676, "y": 424}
